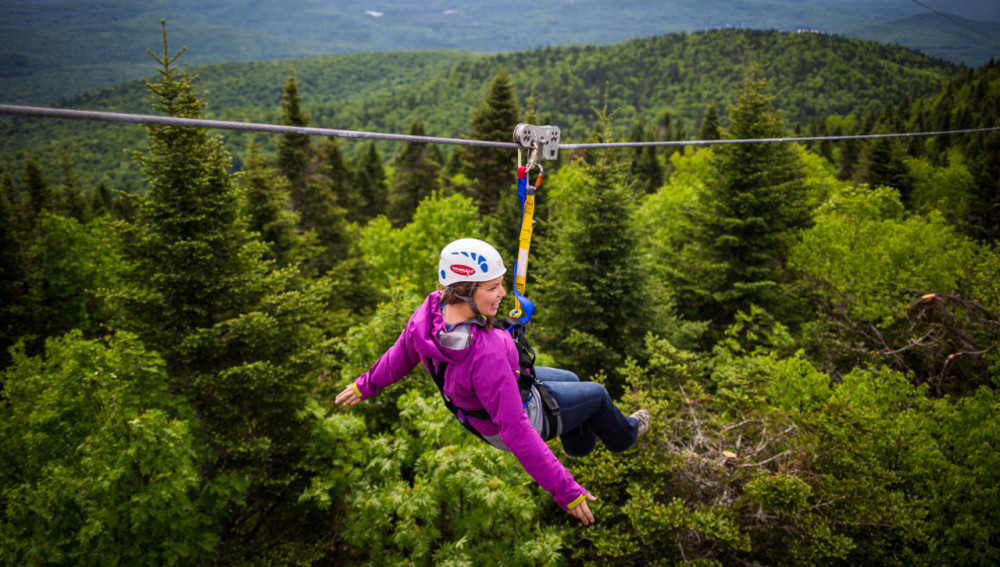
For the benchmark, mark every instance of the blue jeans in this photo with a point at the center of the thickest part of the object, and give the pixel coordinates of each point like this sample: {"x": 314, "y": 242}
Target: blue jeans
{"x": 588, "y": 414}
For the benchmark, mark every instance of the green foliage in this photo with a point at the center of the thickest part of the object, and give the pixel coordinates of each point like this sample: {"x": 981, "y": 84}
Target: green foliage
{"x": 433, "y": 494}
{"x": 100, "y": 464}
{"x": 71, "y": 267}
{"x": 409, "y": 254}
{"x": 892, "y": 289}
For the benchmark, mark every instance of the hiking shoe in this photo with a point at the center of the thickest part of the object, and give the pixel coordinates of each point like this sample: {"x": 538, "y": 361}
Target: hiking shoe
{"x": 641, "y": 416}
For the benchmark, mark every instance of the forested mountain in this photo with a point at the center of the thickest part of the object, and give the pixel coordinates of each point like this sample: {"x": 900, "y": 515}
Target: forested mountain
{"x": 812, "y": 327}
{"x": 677, "y": 76}
{"x": 50, "y": 50}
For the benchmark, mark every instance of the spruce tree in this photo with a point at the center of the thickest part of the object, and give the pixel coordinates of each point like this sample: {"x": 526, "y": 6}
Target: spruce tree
{"x": 492, "y": 168}
{"x": 268, "y": 209}
{"x": 12, "y": 272}
{"x": 334, "y": 168}
{"x": 747, "y": 210}
{"x": 415, "y": 178}
{"x": 294, "y": 150}
{"x": 710, "y": 124}
{"x": 592, "y": 301}
{"x": 40, "y": 195}
{"x": 241, "y": 342}
{"x": 370, "y": 183}
{"x": 883, "y": 164}
{"x": 646, "y": 168}
{"x": 313, "y": 194}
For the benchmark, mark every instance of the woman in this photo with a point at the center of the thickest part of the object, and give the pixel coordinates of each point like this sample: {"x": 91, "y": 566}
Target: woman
{"x": 454, "y": 326}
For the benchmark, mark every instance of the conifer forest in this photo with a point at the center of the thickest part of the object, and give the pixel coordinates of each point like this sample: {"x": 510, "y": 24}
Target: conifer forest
{"x": 813, "y": 325}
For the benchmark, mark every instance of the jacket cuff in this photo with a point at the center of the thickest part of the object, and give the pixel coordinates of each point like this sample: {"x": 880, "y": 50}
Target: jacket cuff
{"x": 576, "y": 502}
{"x": 357, "y": 392}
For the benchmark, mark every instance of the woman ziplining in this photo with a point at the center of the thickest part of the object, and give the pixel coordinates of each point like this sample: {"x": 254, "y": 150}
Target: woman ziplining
{"x": 478, "y": 369}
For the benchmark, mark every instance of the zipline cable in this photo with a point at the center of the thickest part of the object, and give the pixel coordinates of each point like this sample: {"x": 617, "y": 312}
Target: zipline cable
{"x": 771, "y": 140}
{"x": 147, "y": 119}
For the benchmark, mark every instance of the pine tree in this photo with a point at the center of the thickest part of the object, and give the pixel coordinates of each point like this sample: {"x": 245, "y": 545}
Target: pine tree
{"x": 492, "y": 168}
{"x": 415, "y": 178}
{"x": 591, "y": 297}
{"x": 241, "y": 343}
{"x": 748, "y": 208}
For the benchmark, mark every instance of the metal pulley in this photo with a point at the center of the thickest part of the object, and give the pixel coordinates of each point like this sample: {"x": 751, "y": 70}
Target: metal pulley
{"x": 544, "y": 138}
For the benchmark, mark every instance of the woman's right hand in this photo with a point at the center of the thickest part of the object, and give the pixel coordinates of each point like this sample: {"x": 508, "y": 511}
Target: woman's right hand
{"x": 582, "y": 511}
{"x": 349, "y": 396}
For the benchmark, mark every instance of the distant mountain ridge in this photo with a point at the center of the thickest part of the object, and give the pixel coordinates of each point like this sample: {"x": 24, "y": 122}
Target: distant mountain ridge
{"x": 50, "y": 50}
{"x": 680, "y": 75}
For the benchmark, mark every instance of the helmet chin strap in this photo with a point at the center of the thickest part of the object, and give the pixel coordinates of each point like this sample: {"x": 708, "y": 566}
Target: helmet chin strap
{"x": 468, "y": 299}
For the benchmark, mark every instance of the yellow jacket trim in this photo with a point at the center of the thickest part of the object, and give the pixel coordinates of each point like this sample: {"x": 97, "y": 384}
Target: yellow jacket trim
{"x": 576, "y": 502}
{"x": 357, "y": 392}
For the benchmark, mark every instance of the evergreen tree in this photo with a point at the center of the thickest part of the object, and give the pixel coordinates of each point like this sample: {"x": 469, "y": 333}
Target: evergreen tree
{"x": 294, "y": 150}
{"x": 73, "y": 202}
{"x": 334, "y": 168}
{"x": 12, "y": 272}
{"x": 370, "y": 183}
{"x": 883, "y": 164}
{"x": 710, "y": 125}
{"x": 415, "y": 178}
{"x": 749, "y": 206}
{"x": 492, "y": 168}
{"x": 240, "y": 342}
{"x": 592, "y": 303}
{"x": 313, "y": 194}
{"x": 268, "y": 209}
{"x": 101, "y": 202}
{"x": 984, "y": 208}
{"x": 646, "y": 168}
{"x": 40, "y": 196}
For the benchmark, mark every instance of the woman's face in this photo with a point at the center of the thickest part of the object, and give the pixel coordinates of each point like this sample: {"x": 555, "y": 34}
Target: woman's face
{"x": 488, "y": 295}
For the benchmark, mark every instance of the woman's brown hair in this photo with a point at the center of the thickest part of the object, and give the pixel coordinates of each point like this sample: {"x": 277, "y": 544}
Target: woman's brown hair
{"x": 463, "y": 292}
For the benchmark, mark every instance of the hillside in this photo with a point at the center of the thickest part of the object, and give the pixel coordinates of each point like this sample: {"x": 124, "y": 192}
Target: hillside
{"x": 55, "y": 49}
{"x": 811, "y": 75}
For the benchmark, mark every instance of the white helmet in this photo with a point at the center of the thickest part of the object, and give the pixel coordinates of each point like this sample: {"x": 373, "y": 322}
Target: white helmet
{"x": 469, "y": 260}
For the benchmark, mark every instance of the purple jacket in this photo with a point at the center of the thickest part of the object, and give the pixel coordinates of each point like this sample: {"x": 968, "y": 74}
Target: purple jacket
{"x": 482, "y": 376}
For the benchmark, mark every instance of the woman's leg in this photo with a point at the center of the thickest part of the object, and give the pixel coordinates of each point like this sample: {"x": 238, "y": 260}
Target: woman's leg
{"x": 589, "y": 414}
{"x": 549, "y": 374}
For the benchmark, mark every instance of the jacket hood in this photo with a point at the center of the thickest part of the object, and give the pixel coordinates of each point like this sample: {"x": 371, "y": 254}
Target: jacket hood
{"x": 427, "y": 322}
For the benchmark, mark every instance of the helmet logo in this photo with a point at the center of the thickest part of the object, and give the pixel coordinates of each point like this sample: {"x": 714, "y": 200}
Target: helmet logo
{"x": 462, "y": 270}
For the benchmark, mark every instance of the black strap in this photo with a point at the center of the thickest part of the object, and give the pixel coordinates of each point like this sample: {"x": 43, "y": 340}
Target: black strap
{"x": 551, "y": 411}
{"x": 438, "y": 374}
